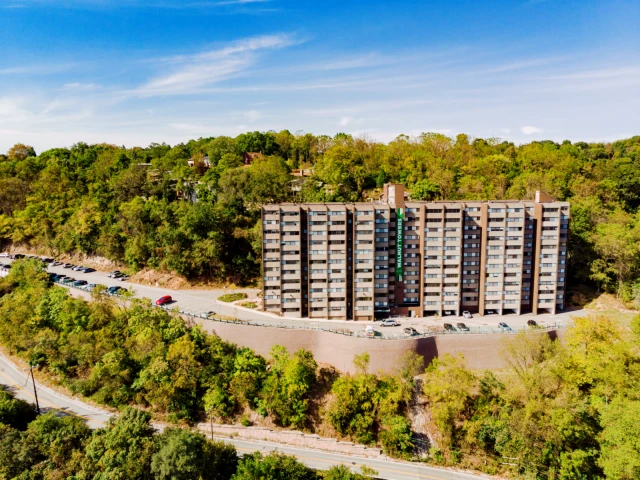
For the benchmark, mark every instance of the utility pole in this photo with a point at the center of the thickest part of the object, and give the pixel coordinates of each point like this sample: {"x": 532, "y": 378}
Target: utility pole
{"x": 33, "y": 380}
{"x": 210, "y": 412}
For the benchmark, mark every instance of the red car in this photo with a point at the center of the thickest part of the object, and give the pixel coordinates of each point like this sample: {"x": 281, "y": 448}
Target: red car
{"x": 164, "y": 300}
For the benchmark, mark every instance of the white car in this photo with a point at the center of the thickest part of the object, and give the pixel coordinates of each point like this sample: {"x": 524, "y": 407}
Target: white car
{"x": 5, "y": 255}
{"x": 389, "y": 322}
{"x": 466, "y": 314}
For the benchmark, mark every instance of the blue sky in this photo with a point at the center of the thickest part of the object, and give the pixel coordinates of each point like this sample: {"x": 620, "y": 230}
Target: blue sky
{"x": 132, "y": 72}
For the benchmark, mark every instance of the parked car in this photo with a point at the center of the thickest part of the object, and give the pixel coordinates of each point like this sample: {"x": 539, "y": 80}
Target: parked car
{"x": 67, "y": 265}
{"x": 209, "y": 314}
{"x": 370, "y": 331}
{"x": 123, "y": 278}
{"x": 115, "y": 274}
{"x": 113, "y": 290}
{"x": 88, "y": 270}
{"x": 56, "y": 263}
{"x": 78, "y": 268}
{"x": 164, "y": 300}
{"x": 409, "y": 331}
{"x": 4, "y": 255}
{"x": 449, "y": 328}
{"x": 461, "y": 326}
{"x": 47, "y": 260}
{"x": 79, "y": 283}
{"x": 504, "y": 327}
{"x": 466, "y": 314}
{"x": 57, "y": 278}
{"x": 390, "y": 322}
{"x": 91, "y": 286}
{"x": 68, "y": 280}
{"x": 532, "y": 323}
{"x": 17, "y": 256}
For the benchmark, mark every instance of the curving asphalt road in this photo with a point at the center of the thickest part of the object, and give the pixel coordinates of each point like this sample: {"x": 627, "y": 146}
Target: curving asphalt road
{"x": 197, "y": 302}
{"x": 17, "y": 381}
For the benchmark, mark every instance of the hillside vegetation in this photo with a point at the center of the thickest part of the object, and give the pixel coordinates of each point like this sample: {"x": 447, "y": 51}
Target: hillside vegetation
{"x": 52, "y": 447}
{"x": 136, "y": 206}
{"x": 561, "y": 411}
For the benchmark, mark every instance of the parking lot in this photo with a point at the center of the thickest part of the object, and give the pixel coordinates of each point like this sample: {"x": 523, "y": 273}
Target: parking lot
{"x": 204, "y": 304}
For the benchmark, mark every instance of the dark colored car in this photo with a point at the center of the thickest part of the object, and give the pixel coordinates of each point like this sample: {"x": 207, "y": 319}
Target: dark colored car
{"x": 449, "y": 328}
{"x": 67, "y": 280}
{"x": 410, "y": 331}
{"x": 79, "y": 283}
{"x": 532, "y": 323}
{"x": 164, "y": 300}
{"x": 115, "y": 274}
{"x": 17, "y": 256}
{"x": 462, "y": 326}
{"x": 113, "y": 290}
{"x": 88, "y": 270}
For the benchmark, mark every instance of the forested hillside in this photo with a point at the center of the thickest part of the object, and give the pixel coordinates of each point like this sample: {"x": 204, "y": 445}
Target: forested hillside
{"x": 558, "y": 411}
{"x": 138, "y": 205}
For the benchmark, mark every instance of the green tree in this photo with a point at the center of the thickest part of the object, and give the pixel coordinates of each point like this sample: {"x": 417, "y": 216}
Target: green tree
{"x": 274, "y": 466}
{"x": 181, "y": 454}
{"x": 123, "y": 449}
{"x": 286, "y": 388}
{"x": 620, "y": 457}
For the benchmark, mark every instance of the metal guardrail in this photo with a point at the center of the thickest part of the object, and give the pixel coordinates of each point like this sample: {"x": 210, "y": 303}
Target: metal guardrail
{"x": 307, "y": 325}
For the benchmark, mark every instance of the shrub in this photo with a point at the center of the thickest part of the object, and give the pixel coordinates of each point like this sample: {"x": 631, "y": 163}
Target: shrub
{"x": 232, "y": 297}
{"x": 248, "y": 304}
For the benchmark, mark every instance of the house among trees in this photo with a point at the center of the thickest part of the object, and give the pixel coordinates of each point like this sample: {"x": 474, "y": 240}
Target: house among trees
{"x": 192, "y": 161}
{"x": 249, "y": 157}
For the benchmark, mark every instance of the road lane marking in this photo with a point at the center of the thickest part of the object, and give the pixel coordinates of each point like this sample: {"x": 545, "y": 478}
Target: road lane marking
{"x": 391, "y": 470}
{"x": 46, "y": 402}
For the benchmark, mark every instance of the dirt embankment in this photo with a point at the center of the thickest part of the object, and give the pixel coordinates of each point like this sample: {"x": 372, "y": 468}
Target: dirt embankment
{"x": 155, "y": 278}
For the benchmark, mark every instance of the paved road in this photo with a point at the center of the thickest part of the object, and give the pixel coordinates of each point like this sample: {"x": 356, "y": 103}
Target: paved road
{"x": 17, "y": 381}
{"x": 197, "y": 302}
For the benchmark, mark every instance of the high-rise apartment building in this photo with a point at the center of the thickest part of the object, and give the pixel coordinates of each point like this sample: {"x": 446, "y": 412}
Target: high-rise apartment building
{"x": 395, "y": 257}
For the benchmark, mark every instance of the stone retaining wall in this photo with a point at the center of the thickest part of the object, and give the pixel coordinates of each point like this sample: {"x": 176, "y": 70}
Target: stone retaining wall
{"x": 293, "y": 438}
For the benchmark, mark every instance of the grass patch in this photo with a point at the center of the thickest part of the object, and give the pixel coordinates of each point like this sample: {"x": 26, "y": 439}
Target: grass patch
{"x": 624, "y": 318}
{"x": 232, "y": 297}
{"x": 248, "y": 304}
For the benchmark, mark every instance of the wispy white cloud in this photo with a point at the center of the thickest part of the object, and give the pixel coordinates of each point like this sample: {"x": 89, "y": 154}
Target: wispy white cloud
{"x": 79, "y": 86}
{"x": 192, "y": 72}
{"x": 517, "y": 66}
{"x": 530, "y": 130}
{"x": 629, "y": 71}
{"x": 44, "y": 69}
{"x": 253, "y": 115}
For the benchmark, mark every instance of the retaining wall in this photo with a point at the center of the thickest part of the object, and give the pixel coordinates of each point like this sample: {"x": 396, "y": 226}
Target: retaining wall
{"x": 481, "y": 351}
{"x": 289, "y": 437}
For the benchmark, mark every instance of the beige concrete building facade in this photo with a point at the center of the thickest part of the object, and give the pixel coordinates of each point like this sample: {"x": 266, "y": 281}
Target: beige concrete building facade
{"x": 363, "y": 261}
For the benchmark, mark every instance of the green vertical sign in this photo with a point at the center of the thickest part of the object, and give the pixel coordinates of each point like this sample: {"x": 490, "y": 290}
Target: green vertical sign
{"x": 399, "y": 238}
